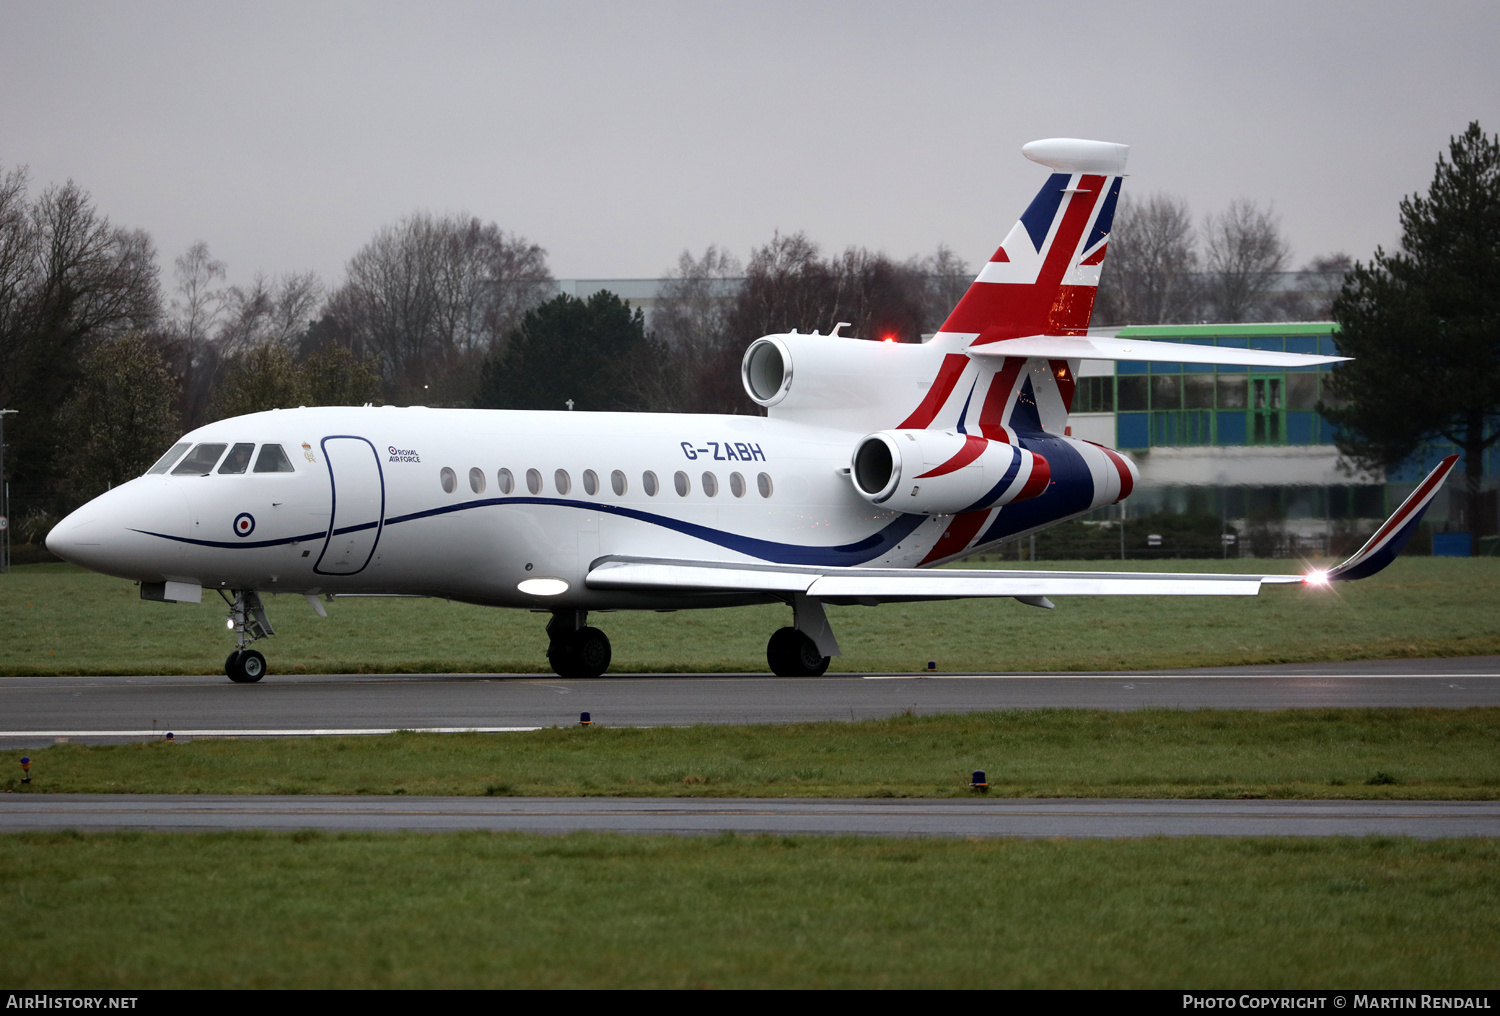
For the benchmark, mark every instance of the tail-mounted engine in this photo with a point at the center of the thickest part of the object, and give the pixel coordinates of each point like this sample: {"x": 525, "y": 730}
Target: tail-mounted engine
{"x": 934, "y": 472}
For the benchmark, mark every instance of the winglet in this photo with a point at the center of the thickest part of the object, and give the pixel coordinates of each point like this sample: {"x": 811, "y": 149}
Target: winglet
{"x": 1390, "y": 539}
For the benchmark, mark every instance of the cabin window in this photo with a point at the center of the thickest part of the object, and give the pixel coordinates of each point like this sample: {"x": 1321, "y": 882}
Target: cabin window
{"x": 682, "y": 483}
{"x": 476, "y": 480}
{"x": 200, "y": 461}
{"x": 534, "y": 481}
{"x": 649, "y": 484}
{"x": 505, "y": 480}
{"x": 617, "y": 482}
{"x": 710, "y": 484}
{"x": 736, "y": 485}
{"x": 238, "y": 459}
{"x": 449, "y": 480}
{"x": 273, "y": 460}
{"x": 563, "y": 482}
{"x": 165, "y": 462}
{"x": 763, "y": 481}
{"x": 590, "y": 482}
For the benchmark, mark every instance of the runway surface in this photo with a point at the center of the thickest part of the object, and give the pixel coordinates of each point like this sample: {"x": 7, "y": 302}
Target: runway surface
{"x": 38, "y": 711}
{"x": 978, "y": 817}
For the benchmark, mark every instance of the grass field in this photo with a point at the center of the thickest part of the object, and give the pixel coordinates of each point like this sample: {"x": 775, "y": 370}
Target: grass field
{"x": 490, "y": 910}
{"x": 1324, "y": 753}
{"x": 59, "y": 619}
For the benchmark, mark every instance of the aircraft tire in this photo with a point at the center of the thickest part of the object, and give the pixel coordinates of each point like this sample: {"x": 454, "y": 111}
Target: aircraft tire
{"x": 245, "y": 666}
{"x": 790, "y": 653}
{"x": 581, "y": 654}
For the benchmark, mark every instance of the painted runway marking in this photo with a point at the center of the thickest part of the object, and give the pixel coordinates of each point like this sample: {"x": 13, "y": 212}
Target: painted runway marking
{"x": 1137, "y": 676}
{"x": 317, "y": 732}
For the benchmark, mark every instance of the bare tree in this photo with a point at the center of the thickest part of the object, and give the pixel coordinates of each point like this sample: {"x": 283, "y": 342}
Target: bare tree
{"x": 1149, "y": 273}
{"x": 275, "y": 311}
{"x": 1244, "y": 252}
{"x": 948, "y": 277}
{"x": 68, "y": 279}
{"x": 431, "y": 296}
{"x": 1318, "y": 283}
{"x": 691, "y": 320}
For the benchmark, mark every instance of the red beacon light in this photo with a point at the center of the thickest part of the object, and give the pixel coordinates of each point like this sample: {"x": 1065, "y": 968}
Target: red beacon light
{"x": 889, "y": 338}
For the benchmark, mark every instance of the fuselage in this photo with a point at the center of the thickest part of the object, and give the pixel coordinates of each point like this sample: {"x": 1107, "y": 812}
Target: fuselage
{"x": 474, "y": 505}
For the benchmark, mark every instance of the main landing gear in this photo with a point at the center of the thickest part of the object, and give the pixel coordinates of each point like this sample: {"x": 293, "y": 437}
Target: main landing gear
{"x": 574, "y": 649}
{"x": 806, "y": 649}
{"x": 247, "y": 616}
{"x": 792, "y": 654}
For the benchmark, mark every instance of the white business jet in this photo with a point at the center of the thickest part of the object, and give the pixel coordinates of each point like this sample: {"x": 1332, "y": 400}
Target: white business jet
{"x": 875, "y": 461}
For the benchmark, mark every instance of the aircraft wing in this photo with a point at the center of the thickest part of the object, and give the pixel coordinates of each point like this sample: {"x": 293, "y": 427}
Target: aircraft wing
{"x": 886, "y": 585}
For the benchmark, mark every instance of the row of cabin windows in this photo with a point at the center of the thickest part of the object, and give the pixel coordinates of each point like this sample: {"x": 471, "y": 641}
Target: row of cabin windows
{"x": 562, "y": 482}
{"x": 202, "y": 459}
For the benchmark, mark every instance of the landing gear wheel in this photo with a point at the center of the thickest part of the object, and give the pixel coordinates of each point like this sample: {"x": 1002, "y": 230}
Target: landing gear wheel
{"x": 245, "y": 666}
{"x": 579, "y": 654}
{"x": 792, "y": 654}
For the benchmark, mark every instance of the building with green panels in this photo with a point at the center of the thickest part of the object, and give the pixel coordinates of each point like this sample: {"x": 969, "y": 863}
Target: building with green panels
{"x": 1242, "y": 443}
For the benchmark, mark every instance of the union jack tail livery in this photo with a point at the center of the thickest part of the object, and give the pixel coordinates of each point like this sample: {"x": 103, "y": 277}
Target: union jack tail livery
{"x": 1042, "y": 279}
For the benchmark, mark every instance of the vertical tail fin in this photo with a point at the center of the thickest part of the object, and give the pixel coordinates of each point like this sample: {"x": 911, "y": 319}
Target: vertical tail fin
{"x": 1043, "y": 278}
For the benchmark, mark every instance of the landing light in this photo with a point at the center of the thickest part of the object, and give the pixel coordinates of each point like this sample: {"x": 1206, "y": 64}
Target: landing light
{"x": 1316, "y": 578}
{"x": 543, "y": 587}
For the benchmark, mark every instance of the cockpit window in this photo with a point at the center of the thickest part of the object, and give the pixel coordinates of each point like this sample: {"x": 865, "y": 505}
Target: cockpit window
{"x": 165, "y": 462}
{"x": 200, "y": 461}
{"x": 273, "y": 460}
{"x": 238, "y": 459}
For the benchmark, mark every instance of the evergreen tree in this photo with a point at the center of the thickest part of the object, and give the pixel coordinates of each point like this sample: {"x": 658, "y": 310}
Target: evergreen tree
{"x": 589, "y": 351}
{"x": 1424, "y": 326}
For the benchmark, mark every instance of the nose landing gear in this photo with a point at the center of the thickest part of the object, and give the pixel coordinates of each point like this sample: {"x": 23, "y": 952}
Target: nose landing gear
{"x": 574, "y": 649}
{"x": 247, "y": 616}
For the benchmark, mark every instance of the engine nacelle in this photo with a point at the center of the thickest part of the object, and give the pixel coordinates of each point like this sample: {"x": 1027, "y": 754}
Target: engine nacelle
{"x": 936, "y": 472}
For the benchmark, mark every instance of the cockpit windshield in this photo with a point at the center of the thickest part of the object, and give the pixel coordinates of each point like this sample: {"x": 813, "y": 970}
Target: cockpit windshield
{"x": 165, "y": 462}
{"x": 238, "y": 459}
{"x": 200, "y": 460}
{"x": 273, "y": 460}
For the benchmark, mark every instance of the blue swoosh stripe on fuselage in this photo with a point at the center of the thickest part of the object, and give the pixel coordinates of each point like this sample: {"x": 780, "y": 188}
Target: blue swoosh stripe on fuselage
{"x": 846, "y": 554}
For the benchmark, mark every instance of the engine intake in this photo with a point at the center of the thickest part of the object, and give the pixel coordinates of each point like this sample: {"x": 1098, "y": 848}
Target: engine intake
{"x": 927, "y": 472}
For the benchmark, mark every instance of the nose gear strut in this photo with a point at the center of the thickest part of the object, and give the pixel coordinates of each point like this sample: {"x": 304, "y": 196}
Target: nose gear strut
{"x": 247, "y": 616}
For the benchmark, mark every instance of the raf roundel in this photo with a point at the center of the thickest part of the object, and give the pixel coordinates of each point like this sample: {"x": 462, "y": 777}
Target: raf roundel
{"x": 244, "y": 524}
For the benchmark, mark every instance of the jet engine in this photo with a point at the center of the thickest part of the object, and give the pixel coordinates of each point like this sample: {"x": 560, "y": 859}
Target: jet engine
{"x": 936, "y": 472}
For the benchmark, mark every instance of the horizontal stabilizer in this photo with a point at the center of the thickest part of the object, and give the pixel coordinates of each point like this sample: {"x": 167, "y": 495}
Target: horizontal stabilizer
{"x": 1088, "y": 347}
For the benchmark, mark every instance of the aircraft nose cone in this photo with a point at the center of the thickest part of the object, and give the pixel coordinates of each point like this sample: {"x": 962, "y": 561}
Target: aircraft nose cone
{"x": 111, "y": 533}
{"x": 71, "y": 538}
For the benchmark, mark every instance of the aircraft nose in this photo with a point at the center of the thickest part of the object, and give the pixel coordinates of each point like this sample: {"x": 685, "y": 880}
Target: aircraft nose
{"x": 111, "y": 533}
{"x": 75, "y": 535}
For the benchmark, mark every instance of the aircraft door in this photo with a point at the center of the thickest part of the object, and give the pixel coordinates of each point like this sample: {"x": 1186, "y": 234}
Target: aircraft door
{"x": 358, "y": 490}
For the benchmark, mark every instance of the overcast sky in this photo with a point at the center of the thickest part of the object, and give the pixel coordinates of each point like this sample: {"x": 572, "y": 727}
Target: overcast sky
{"x": 617, "y": 134}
